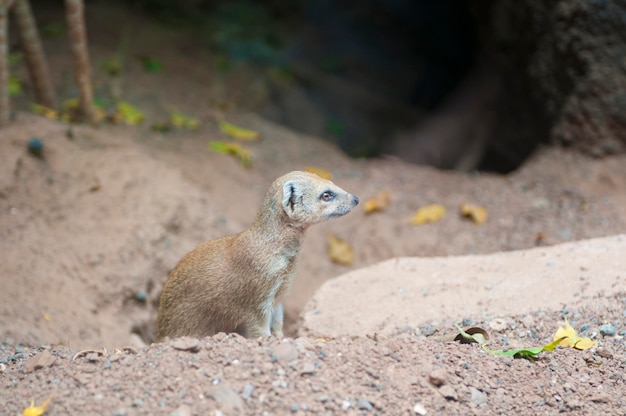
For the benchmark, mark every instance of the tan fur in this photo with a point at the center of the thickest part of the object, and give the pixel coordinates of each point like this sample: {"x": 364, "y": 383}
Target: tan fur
{"x": 236, "y": 283}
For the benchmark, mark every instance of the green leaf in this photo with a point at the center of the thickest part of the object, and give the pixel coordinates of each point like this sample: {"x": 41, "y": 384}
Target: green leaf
{"x": 473, "y": 334}
{"x": 528, "y": 353}
{"x": 151, "y": 64}
{"x": 111, "y": 67}
{"x": 15, "y": 86}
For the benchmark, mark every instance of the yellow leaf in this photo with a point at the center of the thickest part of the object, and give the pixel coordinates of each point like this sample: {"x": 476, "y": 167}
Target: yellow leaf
{"x": 321, "y": 172}
{"x": 237, "y": 132}
{"x": 128, "y": 114}
{"x": 585, "y": 344}
{"x": 477, "y": 213}
{"x": 339, "y": 251}
{"x": 47, "y": 112}
{"x": 71, "y": 109}
{"x": 429, "y": 213}
{"x": 33, "y": 410}
{"x": 377, "y": 203}
{"x": 572, "y": 339}
{"x": 180, "y": 120}
{"x": 240, "y": 152}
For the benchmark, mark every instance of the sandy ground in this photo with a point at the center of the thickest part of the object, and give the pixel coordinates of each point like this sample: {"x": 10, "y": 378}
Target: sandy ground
{"x": 93, "y": 228}
{"x": 89, "y": 232}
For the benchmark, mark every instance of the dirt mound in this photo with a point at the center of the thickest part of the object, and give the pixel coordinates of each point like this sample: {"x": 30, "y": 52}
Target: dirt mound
{"x": 89, "y": 232}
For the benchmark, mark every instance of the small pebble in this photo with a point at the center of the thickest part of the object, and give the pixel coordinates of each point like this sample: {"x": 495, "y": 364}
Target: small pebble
{"x": 465, "y": 322}
{"x": 120, "y": 412}
{"x": 498, "y": 324}
{"x": 137, "y": 403}
{"x": 247, "y": 391}
{"x": 419, "y": 408}
{"x": 35, "y": 147}
{"x": 39, "y": 361}
{"x": 345, "y": 405}
{"x": 224, "y": 394}
{"x": 294, "y": 408}
{"x": 428, "y": 330}
{"x": 448, "y": 393}
{"x": 186, "y": 344}
{"x": 438, "y": 377}
{"x": 285, "y": 353}
{"x": 584, "y": 328}
{"x": 307, "y": 369}
{"x": 477, "y": 396}
{"x": 608, "y": 330}
{"x": 604, "y": 353}
{"x": 364, "y": 404}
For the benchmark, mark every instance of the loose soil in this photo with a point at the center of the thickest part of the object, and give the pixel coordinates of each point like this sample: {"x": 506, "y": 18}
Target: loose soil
{"x": 89, "y": 232}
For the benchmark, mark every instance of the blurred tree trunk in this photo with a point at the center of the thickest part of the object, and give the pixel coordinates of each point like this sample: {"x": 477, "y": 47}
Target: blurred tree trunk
{"x": 4, "y": 61}
{"x": 33, "y": 52}
{"x": 75, "y": 12}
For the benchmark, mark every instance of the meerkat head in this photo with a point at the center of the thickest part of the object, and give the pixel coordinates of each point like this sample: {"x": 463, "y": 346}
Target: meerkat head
{"x": 309, "y": 199}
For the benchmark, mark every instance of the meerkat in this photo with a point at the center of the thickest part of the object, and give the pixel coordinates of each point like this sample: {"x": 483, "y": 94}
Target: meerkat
{"x": 236, "y": 283}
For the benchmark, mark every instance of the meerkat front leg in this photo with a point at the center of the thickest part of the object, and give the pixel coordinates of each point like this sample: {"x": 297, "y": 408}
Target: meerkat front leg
{"x": 276, "y": 323}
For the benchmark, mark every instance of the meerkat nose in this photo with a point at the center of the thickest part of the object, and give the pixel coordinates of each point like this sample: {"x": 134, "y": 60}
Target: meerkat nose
{"x": 355, "y": 200}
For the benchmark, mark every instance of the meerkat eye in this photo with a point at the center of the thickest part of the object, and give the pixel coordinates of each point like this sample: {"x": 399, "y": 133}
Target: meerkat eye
{"x": 327, "y": 196}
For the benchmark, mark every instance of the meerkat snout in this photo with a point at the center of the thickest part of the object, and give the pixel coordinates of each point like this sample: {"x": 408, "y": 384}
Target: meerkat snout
{"x": 236, "y": 283}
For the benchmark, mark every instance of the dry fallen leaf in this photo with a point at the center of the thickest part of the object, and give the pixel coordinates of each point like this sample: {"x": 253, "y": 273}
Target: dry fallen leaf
{"x": 237, "y": 132}
{"x": 572, "y": 339}
{"x": 377, "y": 203}
{"x": 429, "y": 213}
{"x": 47, "y": 112}
{"x": 321, "y": 172}
{"x": 477, "y": 213}
{"x": 33, "y": 410}
{"x": 240, "y": 152}
{"x": 339, "y": 251}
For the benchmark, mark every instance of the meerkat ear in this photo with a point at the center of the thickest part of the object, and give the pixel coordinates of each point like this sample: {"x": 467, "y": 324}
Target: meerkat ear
{"x": 291, "y": 193}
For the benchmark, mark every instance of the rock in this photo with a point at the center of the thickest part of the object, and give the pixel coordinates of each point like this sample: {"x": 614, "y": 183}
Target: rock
{"x": 307, "y": 369}
{"x": 247, "y": 391}
{"x": 39, "y": 361}
{"x": 419, "y": 409}
{"x": 186, "y": 344}
{"x": 285, "y": 353}
{"x": 477, "y": 397}
{"x": 438, "y": 377}
{"x": 428, "y": 330}
{"x": 608, "y": 330}
{"x": 183, "y": 410}
{"x": 498, "y": 325}
{"x": 226, "y": 395}
{"x": 364, "y": 404}
{"x": 600, "y": 398}
{"x": 448, "y": 393}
